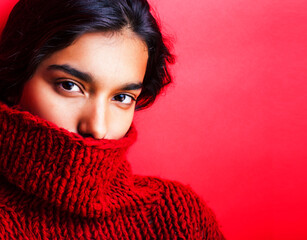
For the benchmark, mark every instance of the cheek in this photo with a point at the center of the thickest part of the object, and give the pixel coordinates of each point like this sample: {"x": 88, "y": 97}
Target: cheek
{"x": 40, "y": 99}
{"x": 32, "y": 98}
{"x": 119, "y": 124}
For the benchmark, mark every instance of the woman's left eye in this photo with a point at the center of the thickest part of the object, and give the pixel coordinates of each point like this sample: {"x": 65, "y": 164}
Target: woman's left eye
{"x": 123, "y": 98}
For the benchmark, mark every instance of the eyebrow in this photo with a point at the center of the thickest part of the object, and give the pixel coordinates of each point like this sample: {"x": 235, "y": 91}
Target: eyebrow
{"x": 88, "y": 78}
{"x": 132, "y": 86}
{"x": 72, "y": 71}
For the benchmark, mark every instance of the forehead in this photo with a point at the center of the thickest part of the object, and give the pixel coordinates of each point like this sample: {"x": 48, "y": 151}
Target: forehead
{"x": 108, "y": 56}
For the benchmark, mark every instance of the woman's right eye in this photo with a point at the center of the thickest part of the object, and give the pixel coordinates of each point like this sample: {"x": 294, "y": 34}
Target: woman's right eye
{"x": 69, "y": 86}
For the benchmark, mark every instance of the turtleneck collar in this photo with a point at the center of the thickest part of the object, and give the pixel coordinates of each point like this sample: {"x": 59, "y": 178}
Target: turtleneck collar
{"x": 78, "y": 175}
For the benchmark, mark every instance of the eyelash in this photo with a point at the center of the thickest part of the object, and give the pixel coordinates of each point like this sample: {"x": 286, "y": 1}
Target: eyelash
{"x": 60, "y": 84}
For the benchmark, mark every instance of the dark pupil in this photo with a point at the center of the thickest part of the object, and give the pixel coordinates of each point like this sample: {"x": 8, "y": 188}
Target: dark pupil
{"x": 68, "y": 85}
{"x": 120, "y": 97}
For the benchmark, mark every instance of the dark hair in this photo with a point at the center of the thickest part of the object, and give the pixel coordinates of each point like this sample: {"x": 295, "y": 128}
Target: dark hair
{"x": 38, "y": 28}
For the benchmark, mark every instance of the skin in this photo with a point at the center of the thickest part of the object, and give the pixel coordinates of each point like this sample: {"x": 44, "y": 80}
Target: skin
{"x": 91, "y": 86}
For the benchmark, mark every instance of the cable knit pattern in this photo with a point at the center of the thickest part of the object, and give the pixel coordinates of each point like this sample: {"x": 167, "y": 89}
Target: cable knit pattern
{"x": 54, "y": 184}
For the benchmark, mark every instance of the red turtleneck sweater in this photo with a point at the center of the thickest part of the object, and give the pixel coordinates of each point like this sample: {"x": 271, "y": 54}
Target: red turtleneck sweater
{"x": 57, "y": 185}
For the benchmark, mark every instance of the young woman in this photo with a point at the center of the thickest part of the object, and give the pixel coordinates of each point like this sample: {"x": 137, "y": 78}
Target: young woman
{"x": 72, "y": 73}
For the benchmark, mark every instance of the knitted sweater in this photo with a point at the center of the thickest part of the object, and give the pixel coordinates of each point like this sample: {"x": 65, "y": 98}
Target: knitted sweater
{"x": 54, "y": 184}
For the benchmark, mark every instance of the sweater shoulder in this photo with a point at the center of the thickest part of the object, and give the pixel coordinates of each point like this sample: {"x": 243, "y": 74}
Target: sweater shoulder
{"x": 8, "y": 224}
{"x": 186, "y": 208}
{"x": 170, "y": 189}
{"x": 11, "y": 222}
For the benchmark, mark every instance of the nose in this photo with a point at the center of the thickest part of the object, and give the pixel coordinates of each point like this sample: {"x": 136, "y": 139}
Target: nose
{"x": 93, "y": 123}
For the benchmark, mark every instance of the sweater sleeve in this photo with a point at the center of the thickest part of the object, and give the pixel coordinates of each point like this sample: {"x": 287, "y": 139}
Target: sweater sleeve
{"x": 194, "y": 216}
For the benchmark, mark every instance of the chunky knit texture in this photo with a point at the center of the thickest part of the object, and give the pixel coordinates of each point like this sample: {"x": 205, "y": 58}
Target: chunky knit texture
{"x": 57, "y": 185}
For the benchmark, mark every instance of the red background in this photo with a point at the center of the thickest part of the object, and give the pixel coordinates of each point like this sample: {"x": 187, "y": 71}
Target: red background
{"x": 233, "y": 125}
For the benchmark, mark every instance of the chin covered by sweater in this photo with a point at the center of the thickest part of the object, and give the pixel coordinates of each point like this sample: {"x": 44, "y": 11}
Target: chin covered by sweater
{"x": 55, "y": 184}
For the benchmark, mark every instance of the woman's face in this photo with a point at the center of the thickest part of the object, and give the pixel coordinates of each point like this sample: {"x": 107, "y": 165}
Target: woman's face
{"x": 91, "y": 86}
